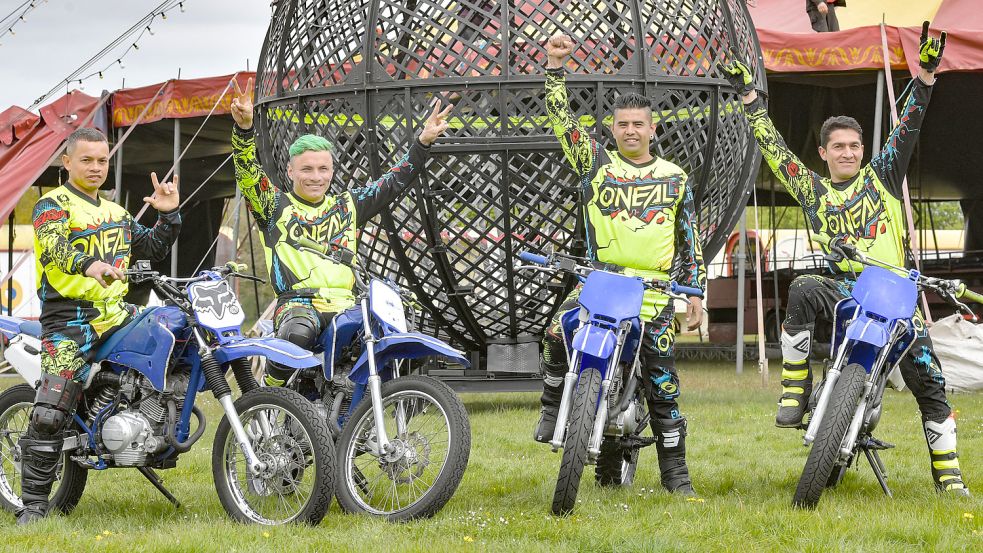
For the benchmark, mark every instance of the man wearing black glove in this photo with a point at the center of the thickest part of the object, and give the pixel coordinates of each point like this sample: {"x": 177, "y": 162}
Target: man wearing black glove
{"x": 861, "y": 206}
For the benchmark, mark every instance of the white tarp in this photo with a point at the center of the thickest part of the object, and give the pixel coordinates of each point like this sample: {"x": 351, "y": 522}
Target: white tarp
{"x": 959, "y": 346}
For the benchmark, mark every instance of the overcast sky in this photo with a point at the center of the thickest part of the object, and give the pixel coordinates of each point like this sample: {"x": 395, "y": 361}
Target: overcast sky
{"x": 211, "y": 37}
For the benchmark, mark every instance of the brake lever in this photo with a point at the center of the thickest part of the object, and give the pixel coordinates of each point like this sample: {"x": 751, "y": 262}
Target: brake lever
{"x": 250, "y": 277}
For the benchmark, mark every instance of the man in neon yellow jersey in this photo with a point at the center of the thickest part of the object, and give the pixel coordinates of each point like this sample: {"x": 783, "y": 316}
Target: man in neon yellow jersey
{"x": 640, "y": 216}
{"x": 311, "y": 290}
{"x": 82, "y": 245}
{"x": 862, "y": 205}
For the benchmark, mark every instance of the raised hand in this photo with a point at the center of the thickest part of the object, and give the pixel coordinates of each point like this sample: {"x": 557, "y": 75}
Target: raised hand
{"x": 739, "y": 75}
{"x": 104, "y": 273}
{"x": 242, "y": 105}
{"x": 930, "y": 50}
{"x": 436, "y": 123}
{"x": 558, "y": 49}
{"x": 165, "y": 196}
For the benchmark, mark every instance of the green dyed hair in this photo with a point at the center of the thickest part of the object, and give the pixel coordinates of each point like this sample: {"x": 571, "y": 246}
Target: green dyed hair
{"x": 310, "y": 143}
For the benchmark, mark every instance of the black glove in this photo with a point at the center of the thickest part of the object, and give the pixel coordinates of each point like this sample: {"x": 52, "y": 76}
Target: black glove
{"x": 930, "y": 49}
{"x": 739, "y": 75}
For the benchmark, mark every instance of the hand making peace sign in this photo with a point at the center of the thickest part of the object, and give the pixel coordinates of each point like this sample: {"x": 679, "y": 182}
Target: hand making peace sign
{"x": 242, "y": 105}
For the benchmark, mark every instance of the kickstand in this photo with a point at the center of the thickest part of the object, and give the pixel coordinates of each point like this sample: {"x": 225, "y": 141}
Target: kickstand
{"x": 878, "y": 467}
{"x": 159, "y": 484}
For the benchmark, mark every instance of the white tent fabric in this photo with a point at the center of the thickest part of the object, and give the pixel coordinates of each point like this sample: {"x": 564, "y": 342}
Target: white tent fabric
{"x": 959, "y": 346}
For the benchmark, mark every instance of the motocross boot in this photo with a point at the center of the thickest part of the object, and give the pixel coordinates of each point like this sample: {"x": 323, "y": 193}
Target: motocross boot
{"x": 941, "y": 439}
{"x": 796, "y": 379}
{"x": 552, "y": 394}
{"x": 670, "y": 435}
{"x": 41, "y": 447}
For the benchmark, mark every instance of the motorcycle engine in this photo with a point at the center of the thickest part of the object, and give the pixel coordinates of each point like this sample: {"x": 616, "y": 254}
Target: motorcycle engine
{"x": 135, "y": 434}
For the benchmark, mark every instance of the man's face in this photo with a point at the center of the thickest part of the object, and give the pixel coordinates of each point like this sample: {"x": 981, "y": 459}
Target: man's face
{"x": 633, "y": 130}
{"x": 311, "y": 174}
{"x": 87, "y": 165}
{"x": 843, "y": 153}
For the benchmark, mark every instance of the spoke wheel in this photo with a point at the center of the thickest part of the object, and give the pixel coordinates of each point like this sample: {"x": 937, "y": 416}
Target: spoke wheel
{"x": 294, "y": 445}
{"x": 429, "y": 445}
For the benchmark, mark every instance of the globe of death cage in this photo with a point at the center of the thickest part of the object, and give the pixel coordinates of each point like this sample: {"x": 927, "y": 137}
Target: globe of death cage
{"x": 363, "y": 73}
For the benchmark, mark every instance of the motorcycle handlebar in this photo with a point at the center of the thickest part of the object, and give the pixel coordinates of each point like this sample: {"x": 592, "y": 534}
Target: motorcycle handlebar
{"x": 687, "y": 290}
{"x": 966, "y": 294}
{"x": 533, "y": 258}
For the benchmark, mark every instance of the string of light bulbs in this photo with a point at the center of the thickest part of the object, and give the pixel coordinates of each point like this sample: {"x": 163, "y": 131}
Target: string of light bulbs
{"x": 131, "y": 36}
{"x": 13, "y": 18}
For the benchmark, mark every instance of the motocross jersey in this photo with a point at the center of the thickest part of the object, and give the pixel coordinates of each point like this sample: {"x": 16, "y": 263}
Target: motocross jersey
{"x": 866, "y": 210}
{"x": 71, "y": 232}
{"x": 283, "y": 217}
{"x": 637, "y": 216}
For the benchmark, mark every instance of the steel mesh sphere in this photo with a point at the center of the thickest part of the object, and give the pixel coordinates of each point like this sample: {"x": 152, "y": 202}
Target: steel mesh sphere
{"x": 363, "y": 73}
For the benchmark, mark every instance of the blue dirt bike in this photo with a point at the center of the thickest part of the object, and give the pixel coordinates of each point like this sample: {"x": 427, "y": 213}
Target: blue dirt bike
{"x": 873, "y": 330}
{"x": 272, "y": 458}
{"x": 602, "y": 410}
{"x": 403, "y": 440}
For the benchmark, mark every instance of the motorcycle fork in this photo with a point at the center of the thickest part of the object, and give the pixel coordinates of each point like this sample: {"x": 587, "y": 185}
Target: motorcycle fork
{"x": 569, "y": 383}
{"x": 847, "y": 445}
{"x": 375, "y": 384}
{"x": 242, "y": 437}
{"x": 831, "y": 377}
{"x": 601, "y": 419}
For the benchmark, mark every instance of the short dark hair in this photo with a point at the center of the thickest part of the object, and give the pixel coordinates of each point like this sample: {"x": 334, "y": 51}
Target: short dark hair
{"x": 632, "y": 100}
{"x": 84, "y": 135}
{"x": 838, "y": 122}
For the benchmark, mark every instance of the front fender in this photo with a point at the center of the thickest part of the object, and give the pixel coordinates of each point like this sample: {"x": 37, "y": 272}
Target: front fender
{"x": 278, "y": 351}
{"x": 595, "y": 341}
{"x": 403, "y": 345}
{"x": 867, "y": 330}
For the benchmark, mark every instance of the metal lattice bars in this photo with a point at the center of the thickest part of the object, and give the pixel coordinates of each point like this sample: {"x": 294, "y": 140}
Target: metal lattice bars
{"x": 363, "y": 73}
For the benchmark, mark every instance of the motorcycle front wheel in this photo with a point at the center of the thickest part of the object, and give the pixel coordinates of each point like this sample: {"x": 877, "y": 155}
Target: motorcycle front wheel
{"x": 821, "y": 463}
{"x": 429, "y": 445}
{"x": 294, "y": 445}
{"x": 575, "y": 445}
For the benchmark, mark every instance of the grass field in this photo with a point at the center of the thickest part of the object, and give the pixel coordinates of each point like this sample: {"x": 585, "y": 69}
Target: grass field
{"x": 743, "y": 467}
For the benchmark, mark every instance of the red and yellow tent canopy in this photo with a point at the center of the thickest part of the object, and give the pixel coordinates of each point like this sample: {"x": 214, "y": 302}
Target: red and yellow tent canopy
{"x": 789, "y": 44}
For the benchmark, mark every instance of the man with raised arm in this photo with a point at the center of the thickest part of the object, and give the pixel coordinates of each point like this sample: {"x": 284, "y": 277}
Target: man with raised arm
{"x": 311, "y": 290}
{"x": 863, "y": 206}
{"x": 640, "y": 216}
{"x": 83, "y": 243}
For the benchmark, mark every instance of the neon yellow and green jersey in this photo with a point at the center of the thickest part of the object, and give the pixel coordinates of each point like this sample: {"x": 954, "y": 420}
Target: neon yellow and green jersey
{"x": 72, "y": 231}
{"x": 866, "y": 210}
{"x": 283, "y": 217}
{"x": 637, "y": 216}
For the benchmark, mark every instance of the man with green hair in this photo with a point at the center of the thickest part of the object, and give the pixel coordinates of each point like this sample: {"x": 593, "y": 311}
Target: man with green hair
{"x": 310, "y": 289}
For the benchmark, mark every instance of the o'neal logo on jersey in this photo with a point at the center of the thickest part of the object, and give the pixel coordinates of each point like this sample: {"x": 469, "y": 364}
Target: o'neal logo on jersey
{"x": 859, "y": 217}
{"x": 329, "y": 226}
{"x": 639, "y": 198}
{"x": 108, "y": 240}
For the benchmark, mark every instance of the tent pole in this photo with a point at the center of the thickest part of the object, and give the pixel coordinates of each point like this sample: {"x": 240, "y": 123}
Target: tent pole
{"x": 741, "y": 282}
{"x": 759, "y": 304}
{"x": 177, "y": 169}
{"x": 10, "y": 262}
{"x": 119, "y": 164}
{"x": 878, "y": 112}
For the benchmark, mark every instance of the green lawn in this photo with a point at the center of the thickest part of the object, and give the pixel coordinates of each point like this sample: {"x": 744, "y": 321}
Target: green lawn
{"x": 743, "y": 467}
